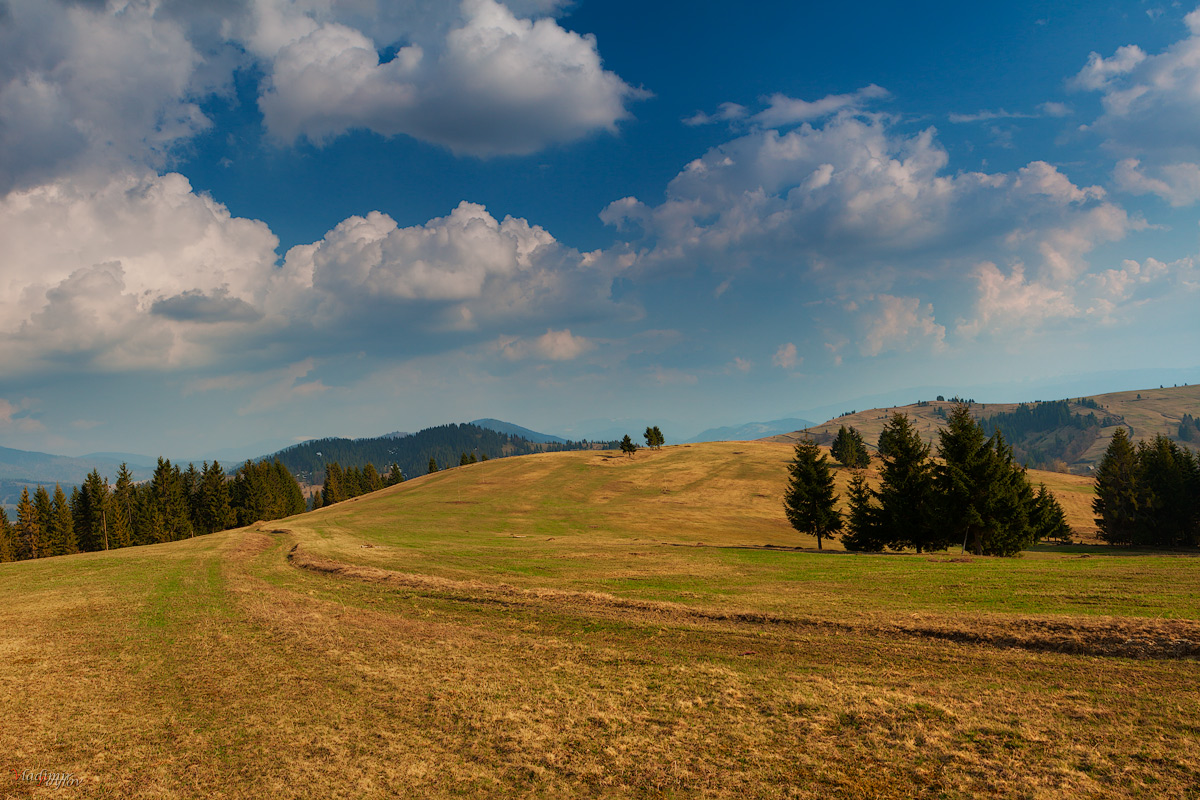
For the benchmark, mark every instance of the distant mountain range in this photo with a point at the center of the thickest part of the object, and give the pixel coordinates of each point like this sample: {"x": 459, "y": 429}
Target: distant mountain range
{"x": 501, "y": 426}
{"x": 751, "y": 430}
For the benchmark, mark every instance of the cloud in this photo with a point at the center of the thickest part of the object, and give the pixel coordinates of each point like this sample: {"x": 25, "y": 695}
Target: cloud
{"x": 1150, "y": 101}
{"x": 782, "y": 110}
{"x": 131, "y": 271}
{"x": 785, "y": 357}
{"x": 900, "y": 323}
{"x": 463, "y": 272}
{"x": 726, "y": 112}
{"x": 1178, "y": 184}
{"x": 1011, "y": 304}
{"x": 853, "y": 199}
{"x": 495, "y": 84}
{"x": 551, "y": 346}
{"x": 93, "y": 86}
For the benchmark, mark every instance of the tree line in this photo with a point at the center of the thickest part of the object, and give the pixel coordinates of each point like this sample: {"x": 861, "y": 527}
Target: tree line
{"x": 443, "y": 444}
{"x": 975, "y": 495}
{"x": 1148, "y": 495}
{"x": 342, "y": 484}
{"x": 174, "y": 504}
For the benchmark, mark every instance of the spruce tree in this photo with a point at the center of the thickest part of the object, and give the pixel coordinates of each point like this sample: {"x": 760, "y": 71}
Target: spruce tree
{"x": 214, "y": 508}
{"x": 65, "y": 542}
{"x": 120, "y": 524}
{"x": 907, "y": 515}
{"x": 1047, "y": 518}
{"x": 628, "y": 447}
{"x": 863, "y": 529}
{"x": 985, "y": 495}
{"x": 1117, "y": 503}
{"x": 809, "y": 501}
{"x": 373, "y": 482}
{"x": 8, "y": 538}
{"x": 433, "y": 467}
{"x": 396, "y": 475}
{"x": 29, "y": 530}
{"x": 44, "y": 507}
{"x": 849, "y": 449}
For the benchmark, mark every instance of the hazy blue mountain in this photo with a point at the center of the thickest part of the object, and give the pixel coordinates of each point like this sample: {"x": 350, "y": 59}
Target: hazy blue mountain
{"x": 751, "y": 430}
{"x": 499, "y": 426}
{"x": 24, "y": 466}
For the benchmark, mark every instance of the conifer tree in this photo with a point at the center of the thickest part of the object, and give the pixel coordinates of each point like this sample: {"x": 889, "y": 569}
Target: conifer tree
{"x": 214, "y": 508}
{"x": 809, "y": 501}
{"x": 63, "y": 527}
{"x": 334, "y": 490}
{"x": 44, "y": 507}
{"x": 29, "y": 530}
{"x": 654, "y": 437}
{"x": 462, "y": 461}
{"x": 396, "y": 475}
{"x": 985, "y": 496}
{"x": 120, "y": 525}
{"x": 433, "y": 467}
{"x": 628, "y": 447}
{"x": 8, "y": 538}
{"x": 372, "y": 482}
{"x": 849, "y": 448}
{"x": 1117, "y": 504}
{"x": 863, "y": 525}
{"x": 1047, "y": 517}
{"x": 907, "y": 497}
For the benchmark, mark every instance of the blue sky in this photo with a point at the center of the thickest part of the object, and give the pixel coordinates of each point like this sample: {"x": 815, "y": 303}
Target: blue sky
{"x": 266, "y": 220}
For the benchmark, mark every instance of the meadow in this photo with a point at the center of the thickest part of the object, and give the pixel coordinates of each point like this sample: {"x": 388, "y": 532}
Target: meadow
{"x": 585, "y": 624}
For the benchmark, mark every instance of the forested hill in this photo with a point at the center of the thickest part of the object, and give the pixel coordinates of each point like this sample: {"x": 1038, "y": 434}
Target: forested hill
{"x": 445, "y": 443}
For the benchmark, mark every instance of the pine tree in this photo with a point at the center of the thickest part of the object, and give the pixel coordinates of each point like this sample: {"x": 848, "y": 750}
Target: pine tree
{"x": 433, "y": 467}
{"x": 809, "y": 501}
{"x": 44, "y": 507}
{"x": 1165, "y": 486}
{"x": 120, "y": 525}
{"x": 863, "y": 523}
{"x": 628, "y": 446}
{"x": 1047, "y": 518}
{"x": 373, "y": 482}
{"x": 654, "y": 437}
{"x": 985, "y": 495}
{"x": 849, "y": 448}
{"x": 907, "y": 515}
{"x": 334, "y": 490}
{"x": 214, "y": 508}
{"x": 8, "y": 538}
{"x": 1117, "y": 503}
{"x": 63, "y": 526}
{"x": 462, "y": 461}
{"x": 29, "y": 530}
{"x": 396, "y": 475}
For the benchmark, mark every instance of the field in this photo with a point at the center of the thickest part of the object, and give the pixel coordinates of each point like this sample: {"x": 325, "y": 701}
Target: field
{"x": 583, "y": 625}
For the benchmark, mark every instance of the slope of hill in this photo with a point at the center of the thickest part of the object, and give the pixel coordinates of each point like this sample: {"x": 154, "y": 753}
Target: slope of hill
{"x": 1145, "y": 413}
{"x": 584, "y": 624}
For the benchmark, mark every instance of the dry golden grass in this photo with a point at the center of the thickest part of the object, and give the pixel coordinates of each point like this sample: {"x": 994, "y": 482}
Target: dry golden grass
{"x": 546, "y": 627}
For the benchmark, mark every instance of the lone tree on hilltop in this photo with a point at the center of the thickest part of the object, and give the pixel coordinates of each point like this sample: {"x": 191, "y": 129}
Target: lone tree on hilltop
{"x": 654, "y": 438}
{"x": 849, "y": 448}
{"x": 628, "y": 446}
{"x": 809, "y": 501}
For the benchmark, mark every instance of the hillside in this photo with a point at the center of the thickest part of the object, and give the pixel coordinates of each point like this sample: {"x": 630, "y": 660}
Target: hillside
{"x": 1145, "y": 413}
{"x": 583, "y": 624}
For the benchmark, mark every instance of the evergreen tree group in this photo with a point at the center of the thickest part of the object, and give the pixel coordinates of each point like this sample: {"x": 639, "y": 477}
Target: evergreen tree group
{"x": 849, "y": 448}
{"x": 174, "y": 504}
{"x": 1148, "y": 495}
{"x": 342, "y": 484}
{"x": 976, "y": 496}
{"x": 654, "y": 438}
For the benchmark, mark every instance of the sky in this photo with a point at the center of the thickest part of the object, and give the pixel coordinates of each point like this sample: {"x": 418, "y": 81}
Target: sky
{"x": 261, "y": 221}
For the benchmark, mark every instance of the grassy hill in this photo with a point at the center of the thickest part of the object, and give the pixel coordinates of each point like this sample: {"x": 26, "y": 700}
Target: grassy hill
{"x": 582, "y": 624}
{"x": 1145, "y": 413}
